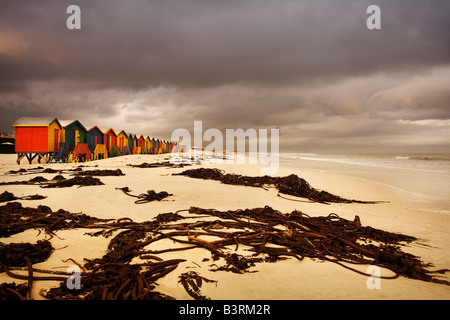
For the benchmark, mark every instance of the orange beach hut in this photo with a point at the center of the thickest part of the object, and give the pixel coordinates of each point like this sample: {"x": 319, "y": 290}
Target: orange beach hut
{"x": 122, "y": 140}
{"x": 148, "y": 144}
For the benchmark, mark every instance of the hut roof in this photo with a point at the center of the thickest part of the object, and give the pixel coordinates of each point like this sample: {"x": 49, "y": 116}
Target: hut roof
{"x": 35, "y": 121}
{"x": 66, "y": 123}
{"x": 106, "y": 130}
{"x": 95, "y": 127}
{"x": 123, "y": 133}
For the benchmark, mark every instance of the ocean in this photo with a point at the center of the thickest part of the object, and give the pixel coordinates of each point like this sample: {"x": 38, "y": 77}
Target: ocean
{"x": 421, "y": 179}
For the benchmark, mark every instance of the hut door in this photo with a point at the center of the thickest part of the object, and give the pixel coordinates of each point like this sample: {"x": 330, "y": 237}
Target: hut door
{"x": 55, "y": 140}
{"x": 92, "y": 143}
{"x": 77, "y": 137}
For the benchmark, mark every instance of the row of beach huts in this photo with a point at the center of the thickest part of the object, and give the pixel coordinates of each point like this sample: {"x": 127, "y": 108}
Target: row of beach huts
{"x": 54, "y": 140}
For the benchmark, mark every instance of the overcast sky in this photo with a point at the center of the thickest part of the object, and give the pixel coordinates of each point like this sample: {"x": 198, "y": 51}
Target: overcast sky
{"x": 310, "y": 68}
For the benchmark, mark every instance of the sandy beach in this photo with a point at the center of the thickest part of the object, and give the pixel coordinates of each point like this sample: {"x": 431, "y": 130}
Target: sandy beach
{"x": 289, "y": 279}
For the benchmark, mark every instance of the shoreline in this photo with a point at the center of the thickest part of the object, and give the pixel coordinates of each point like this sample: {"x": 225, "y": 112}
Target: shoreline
{"x": 284, "y": 280}
{"x": 419, "y": 179}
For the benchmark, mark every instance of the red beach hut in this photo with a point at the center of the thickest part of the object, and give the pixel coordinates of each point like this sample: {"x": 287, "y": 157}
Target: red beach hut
{"x": 38, "y": 136}
{"x": 141, "y": 142}
{"x": 110, "y": 138}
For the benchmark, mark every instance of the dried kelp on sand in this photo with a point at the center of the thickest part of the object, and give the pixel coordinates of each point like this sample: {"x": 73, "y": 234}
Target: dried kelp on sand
{"x": 290, "y": 185}
{"x": 133, "y": 262}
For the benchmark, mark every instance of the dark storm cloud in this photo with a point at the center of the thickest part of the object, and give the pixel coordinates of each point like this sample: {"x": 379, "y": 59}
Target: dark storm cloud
{"x": 207, "y": 43}
{"x": 286, "y": 64}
